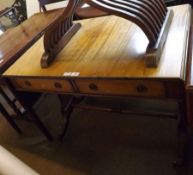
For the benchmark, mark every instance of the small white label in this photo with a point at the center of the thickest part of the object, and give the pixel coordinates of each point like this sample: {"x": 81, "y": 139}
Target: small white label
{"x": 71, "y": 74}
{"x": 67, "y": 73}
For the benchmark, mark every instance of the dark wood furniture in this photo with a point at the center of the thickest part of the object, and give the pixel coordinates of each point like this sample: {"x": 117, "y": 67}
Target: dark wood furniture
{"x": 152, "y": 17}
{"x": 28, "y": 32}
{"x": 9, "y": 11}
{"x": 106, "y": 58}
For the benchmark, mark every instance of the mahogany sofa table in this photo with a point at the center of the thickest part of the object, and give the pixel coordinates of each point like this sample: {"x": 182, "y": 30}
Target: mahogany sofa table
{"x": 106, "y": 58}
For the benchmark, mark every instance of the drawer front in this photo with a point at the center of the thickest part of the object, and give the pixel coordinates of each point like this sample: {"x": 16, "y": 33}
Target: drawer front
{"x": 42, "y": 85}
{"x": 148, "y": 88}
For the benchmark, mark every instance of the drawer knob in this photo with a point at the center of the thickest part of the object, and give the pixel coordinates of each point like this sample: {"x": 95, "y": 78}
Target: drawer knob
{"x": 93, "y": 87}
{"x": 28, "y": 83}
{"x": 141, "y": 88}
{"x": 58, "y": 85}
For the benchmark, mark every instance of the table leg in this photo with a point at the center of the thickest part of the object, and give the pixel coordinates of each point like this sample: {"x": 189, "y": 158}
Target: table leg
{"x": 9, "y": 119}
{"x": 65, "y": 102}
{"x": 182, "y": 136}
{"x": 67, "y": 107}
{"x": 66, "y": 110}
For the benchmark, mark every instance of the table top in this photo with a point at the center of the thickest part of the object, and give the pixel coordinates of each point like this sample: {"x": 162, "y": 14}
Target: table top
{"x": 109, "y": 47}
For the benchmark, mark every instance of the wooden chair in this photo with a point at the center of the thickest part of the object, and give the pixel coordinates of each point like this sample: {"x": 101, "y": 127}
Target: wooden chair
{"x": 82, "y": 12}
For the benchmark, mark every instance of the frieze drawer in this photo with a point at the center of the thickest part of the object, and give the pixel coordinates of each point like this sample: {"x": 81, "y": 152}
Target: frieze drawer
{"x": 47, "y": 85}
{"x": 148, "y": 88}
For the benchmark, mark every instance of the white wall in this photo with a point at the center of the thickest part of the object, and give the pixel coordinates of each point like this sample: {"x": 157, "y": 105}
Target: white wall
{"x": 33, "y": 6}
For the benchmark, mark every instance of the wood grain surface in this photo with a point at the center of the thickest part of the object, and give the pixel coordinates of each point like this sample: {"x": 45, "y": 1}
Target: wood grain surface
{"x": 15, "y": 41}
{"x": 111, "y": 47}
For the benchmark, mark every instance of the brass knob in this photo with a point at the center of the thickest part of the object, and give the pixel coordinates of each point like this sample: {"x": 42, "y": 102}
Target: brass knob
{"x": 58, "y": 85}
{"x": 28, "y": 83}
{"x": 93, "y": 87}
{"x": 141, "y": 88}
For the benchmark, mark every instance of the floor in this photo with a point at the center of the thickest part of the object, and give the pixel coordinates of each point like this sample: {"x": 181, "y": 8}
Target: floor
{"x": 97, "y": 143}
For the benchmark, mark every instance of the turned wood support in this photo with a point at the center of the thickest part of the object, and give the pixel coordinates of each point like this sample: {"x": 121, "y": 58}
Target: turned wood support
{"x": 151, "y": 16}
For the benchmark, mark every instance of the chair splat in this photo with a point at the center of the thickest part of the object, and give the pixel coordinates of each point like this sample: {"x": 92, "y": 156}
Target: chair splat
{"x": 59, "y": 33}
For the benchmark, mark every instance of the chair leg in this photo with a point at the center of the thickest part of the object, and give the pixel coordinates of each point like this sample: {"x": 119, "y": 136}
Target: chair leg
{"x": 9, "y": 119}
{"x": 65, "y": 102}
{"x": 67, "y": 107}
{"x": 68, "y": 115}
